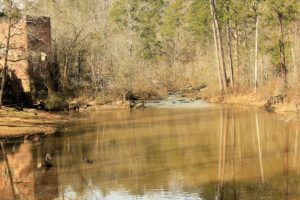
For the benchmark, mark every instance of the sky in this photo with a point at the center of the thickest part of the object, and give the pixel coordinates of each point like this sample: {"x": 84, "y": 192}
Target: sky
{"x": 1, "y": 5}
{"x": 18, "y": 3}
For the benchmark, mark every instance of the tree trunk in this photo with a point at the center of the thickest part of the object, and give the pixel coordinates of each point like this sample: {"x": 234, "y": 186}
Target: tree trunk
{"x": 282, "y": 54}
{"x": 220, "y": 45}
{"x": 217, "y": 56}
{"x": 65, "y": 72}
{"x": 5, "y": 66}
{"x": 237, "y": 52}
{"x": 256, "y": 55}
{"x": 230, "y": 53}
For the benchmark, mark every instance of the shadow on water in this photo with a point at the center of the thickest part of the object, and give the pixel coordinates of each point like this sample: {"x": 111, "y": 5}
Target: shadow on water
{"x": 216, "y": 153}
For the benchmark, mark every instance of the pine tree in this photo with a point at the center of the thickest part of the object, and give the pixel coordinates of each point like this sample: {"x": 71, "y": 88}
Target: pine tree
{"x": 280, "y": 15}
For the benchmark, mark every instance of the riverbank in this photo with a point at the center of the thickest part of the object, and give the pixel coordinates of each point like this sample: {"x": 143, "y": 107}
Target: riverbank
{"x": 271, "y": 103}
{"x": 276, "y": 103}
{"x": 29, "y": 122}
{"x": 14, "y": 123}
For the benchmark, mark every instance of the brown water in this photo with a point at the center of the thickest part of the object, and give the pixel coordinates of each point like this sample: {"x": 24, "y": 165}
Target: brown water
{"x": 213, "y": 152}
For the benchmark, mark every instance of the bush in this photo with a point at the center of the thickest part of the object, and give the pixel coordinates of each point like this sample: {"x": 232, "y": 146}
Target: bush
{"x": 55, "y": 102}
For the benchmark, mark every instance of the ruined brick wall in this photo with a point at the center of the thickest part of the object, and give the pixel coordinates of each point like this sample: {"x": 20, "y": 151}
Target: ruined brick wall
{"x": 39, "y": 34}
{"x": 18, "y": 52}
{"x": 39, "y": 43}
{"x": 31, "y": 37}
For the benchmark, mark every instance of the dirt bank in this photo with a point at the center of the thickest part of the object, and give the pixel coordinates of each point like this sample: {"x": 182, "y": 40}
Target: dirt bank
{"x": 15, "y": 123}
{"x": 287, "y": 104}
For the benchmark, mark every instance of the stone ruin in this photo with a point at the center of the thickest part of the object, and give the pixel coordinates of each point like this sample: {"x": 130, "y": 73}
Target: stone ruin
{"x": 29, "y": 55}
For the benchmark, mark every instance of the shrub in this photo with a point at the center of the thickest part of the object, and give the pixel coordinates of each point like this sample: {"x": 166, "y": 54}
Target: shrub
{"x": 55, "y": 102}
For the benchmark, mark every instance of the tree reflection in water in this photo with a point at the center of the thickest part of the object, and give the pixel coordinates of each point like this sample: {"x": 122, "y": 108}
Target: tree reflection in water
{"x": 212, "y": 153}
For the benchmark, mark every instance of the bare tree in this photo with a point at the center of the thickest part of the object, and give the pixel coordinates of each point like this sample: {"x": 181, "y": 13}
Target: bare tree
{"x": 6, "y": 50}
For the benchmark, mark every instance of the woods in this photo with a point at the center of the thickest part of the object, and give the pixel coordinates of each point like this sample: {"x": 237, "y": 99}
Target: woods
{"x": 133, "y": 99}
{"x": 111, "y": 49}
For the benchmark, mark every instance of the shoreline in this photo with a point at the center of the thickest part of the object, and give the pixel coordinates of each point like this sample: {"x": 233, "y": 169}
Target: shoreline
{"x": 288, "y": 105}
{"x": 30, "y": 122}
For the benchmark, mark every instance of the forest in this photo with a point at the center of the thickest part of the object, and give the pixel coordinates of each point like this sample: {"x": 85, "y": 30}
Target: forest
{"x": 76, "y": 75}
{"x": 117, "y": 49}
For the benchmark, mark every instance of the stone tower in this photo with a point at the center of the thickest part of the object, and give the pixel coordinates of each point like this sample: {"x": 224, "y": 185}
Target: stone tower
{"x": 29, "y": 53}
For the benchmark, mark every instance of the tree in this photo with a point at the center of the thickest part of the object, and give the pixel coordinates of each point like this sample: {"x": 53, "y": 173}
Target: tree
{"x": 143, "y": 18}
{"x": 11, "y": 12}
{"x": 228, "y": 4}
{"x": 219, "y": 44}
{"x": 177, "y": 38}
{"x": 256, "y": 19}
{"x": 281, "y": 15}
{"x": 114, "y": 44}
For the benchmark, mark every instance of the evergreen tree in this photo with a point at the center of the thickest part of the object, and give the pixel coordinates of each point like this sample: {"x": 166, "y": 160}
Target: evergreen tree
{"x": 281, "y": 14}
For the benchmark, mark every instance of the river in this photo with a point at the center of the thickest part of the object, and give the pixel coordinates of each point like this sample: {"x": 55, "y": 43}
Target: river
{"x": 206, "y": 152}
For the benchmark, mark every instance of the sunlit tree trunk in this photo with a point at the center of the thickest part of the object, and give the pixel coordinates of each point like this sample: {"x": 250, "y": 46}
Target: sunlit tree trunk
{"x": 256, "y": 55}
{"x": 230, "y": 51}
{"x": 220, "y": 44}
{"x": 217, "y": 56}
{"x": 237, "y": 51}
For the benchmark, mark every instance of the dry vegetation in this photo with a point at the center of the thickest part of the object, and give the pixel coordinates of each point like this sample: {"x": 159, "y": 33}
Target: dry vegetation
{"x": 118, "y": 49}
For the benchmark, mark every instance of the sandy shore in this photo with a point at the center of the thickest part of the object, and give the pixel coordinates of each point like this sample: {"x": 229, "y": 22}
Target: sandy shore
{"x": 15, "y": 123}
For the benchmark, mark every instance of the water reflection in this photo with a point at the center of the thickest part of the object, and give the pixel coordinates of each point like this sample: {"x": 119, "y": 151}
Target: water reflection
{"x": 212, "y": 153}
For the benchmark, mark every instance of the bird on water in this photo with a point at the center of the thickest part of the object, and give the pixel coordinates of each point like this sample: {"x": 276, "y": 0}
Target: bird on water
{"x": 87, "y": 160}
{"x": 48, "y": 164}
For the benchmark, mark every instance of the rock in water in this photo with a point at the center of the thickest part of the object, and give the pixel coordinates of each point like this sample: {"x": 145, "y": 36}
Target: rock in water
{"x": 139, "y": 105}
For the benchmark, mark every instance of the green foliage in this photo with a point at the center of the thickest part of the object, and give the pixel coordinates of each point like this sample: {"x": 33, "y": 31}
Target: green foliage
{"x": 173, "y": 19}
{"x": 119, "y": 13}
{"x": 277, "y": 12}
{"x": 280, "y": 11}
{"x": 55, "y": 101}
{"x": 142, "y": 17}
{"x": 199, "y": 19}
{"x": 14, "y": 10}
